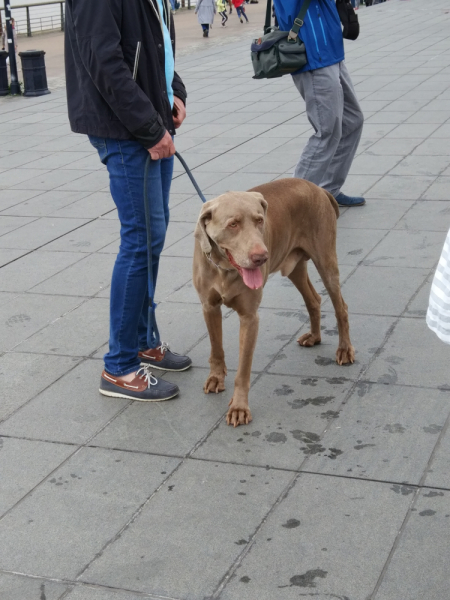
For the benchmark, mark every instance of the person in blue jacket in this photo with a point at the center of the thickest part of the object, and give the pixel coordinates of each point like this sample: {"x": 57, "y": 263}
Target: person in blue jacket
{"x": 331, "y": 104}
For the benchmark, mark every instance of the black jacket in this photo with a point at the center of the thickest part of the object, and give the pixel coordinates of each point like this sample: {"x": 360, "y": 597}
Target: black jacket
{"x": 100, "y": 49}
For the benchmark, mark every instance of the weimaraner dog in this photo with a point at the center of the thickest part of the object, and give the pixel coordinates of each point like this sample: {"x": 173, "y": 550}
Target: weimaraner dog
{"x": 242, "y": 237}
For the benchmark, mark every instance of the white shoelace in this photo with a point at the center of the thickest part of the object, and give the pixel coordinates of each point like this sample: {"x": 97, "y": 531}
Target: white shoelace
{"x": 145, "y": 374}
{"x": 164, "y": 346}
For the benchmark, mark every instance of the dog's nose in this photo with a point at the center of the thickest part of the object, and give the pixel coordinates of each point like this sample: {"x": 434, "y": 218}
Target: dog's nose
{"x": 259, "y": 258}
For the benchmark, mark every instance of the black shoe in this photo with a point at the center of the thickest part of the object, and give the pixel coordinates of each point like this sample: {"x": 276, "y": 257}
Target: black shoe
{"x": 143, "y": 387}
{"x": 162, "y": 358}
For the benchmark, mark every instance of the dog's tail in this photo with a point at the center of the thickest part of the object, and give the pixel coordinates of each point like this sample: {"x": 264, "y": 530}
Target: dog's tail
{"x": 334, "y": 204}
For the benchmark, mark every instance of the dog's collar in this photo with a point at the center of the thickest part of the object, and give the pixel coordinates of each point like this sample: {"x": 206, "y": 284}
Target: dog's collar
{"x": 208, "y": 256}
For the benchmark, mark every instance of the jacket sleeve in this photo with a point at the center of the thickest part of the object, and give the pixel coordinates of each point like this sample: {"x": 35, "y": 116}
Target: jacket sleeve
{"x": 97, "y": 30}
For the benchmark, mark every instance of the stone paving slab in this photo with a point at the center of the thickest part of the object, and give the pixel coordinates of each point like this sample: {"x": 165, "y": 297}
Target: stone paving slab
{"x": 92, "y": 496}
{"x": 327, "y": 514}
{"x": 303, "y": 550}
{"x": 214, "y": 508}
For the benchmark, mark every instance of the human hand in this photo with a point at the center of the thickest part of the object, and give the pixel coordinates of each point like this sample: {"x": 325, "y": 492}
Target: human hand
{"x": 163, "y": 149}
{"x": 178, "y": 112}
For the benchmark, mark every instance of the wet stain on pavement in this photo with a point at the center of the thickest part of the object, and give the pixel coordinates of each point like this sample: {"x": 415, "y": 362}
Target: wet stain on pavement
{"x": 394, "y": 428}
{"x": 404, "y": 490}
{"x": 427, "y": 513}
{"x": 390, "y": 377}
{"x": 394, "y": 360}
{"x": 291, "y": 524}
{"x": 432, "y": 429}
{"x": 311, "y": 440}
{"x": 329, "y": 414}
{"x": 43, "y": 596}
{"x": 241, "y": 543}
{"x": 361, "y": 446}
{"x": 244, "y": 579}
{"x": 284, "y": 390}
{"x": 312, "y": 381}
{"x": 316, "y": 401}
{"x": 275, "y": 437}
{"x": 307, "y": 579}
{"x": 324, "y": 361}
{"x": 433, "y": 494}
{"x": 363, "y": 388}
{"x": 333, "y": 453}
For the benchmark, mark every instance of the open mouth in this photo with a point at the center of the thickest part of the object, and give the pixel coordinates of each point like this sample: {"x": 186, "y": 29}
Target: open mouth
{"x": 253, "y": 278}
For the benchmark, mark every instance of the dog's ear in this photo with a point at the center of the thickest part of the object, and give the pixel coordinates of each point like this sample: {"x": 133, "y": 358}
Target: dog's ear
{"x": 263, "y": 202}
{"x": 200, "y": 229}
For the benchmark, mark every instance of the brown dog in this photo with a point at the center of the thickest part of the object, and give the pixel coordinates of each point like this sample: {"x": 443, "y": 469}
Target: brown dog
{"x": 242, "y": 237}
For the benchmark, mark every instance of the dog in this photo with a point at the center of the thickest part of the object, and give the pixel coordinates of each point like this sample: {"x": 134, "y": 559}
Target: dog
{"x": 243, "y": 237}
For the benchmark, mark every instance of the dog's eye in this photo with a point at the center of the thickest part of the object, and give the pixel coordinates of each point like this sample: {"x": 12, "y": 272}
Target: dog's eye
{"x": 260, "y": 221}
{"x": 233, "y": 225}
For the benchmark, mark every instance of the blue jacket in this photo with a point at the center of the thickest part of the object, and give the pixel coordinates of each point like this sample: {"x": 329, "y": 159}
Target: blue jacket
{"x": 321, "y": 31}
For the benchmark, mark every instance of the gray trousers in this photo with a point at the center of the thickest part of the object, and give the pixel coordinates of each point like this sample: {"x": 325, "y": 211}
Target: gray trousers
{"x": 335, "y": 114}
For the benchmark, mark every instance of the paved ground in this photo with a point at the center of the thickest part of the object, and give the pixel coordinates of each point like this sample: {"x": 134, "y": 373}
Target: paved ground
{"x": 340, "y": 487}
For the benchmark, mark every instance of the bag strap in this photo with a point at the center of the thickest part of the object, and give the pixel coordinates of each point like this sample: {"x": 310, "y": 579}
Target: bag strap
{"x": 298, "y": 21}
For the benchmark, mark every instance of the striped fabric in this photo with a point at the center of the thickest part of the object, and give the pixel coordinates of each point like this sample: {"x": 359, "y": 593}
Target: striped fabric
{"x": 438, "y": 315}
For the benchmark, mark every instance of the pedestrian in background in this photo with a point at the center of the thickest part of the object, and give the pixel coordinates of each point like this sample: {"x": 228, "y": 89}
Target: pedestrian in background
{"x": 222, "y": 10}
{"x": 5, "y": 36}
{"x": 129, "y": 100}
{"x": 240, "y": 10}
{"x": 205, "y": 11}
{"x": 331, "y": 104}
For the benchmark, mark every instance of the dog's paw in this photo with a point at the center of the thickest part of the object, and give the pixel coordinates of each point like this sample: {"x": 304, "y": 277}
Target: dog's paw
{"x": 214, "y": 384}
{"x": 345, "y": 355}
{"x": 308, "y": 340}
{"x": 238, "y": 414}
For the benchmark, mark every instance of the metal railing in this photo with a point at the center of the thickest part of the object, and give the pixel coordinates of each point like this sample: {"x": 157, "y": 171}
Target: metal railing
{"x": 34, "y": 18}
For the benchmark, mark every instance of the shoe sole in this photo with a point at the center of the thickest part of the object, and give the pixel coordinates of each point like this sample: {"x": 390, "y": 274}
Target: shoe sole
{"x": 145, "y": 364}
{"x": 350, "y": 205}
{"x": 119, "y": 395}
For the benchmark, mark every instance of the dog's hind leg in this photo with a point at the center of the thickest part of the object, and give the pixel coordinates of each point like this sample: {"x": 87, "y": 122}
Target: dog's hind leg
{"x": 329, "y": 273}
{"x": 299, "y": 277}
{"x": 218, "y": 370}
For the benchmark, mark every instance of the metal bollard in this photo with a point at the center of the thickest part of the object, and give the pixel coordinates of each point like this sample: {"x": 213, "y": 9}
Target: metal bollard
{"x": 34, "y": 75}
{"x": 4, "y": 89}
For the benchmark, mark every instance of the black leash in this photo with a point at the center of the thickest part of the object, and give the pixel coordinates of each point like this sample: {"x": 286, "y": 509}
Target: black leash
{"x": 153, "y": 338}
{"x": 191, "y": 177}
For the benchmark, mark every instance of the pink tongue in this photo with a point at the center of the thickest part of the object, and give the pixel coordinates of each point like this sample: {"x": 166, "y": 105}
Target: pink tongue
{"x": 252, "y": 278}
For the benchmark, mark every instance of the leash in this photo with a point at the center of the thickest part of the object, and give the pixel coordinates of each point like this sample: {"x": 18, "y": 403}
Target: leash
{"x": 153, "y": 337}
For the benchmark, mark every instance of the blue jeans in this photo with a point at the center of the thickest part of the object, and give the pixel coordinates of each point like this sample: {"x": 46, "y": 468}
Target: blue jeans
{"x": 240, "y": 10}
{"x": 125, "y": 161}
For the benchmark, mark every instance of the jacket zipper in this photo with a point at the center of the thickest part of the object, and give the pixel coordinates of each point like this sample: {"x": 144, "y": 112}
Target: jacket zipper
{"x": 136, "y": 60}
{"x": 314, "y": 33}
{"x": 321, "y": 25}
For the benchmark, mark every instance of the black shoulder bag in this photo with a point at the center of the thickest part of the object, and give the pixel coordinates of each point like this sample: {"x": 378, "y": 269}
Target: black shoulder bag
{"x": 349, "y": 19}
{"x": 279, "y": 53}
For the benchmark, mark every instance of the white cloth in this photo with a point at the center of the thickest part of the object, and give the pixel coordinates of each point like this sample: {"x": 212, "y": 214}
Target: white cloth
{"x": 438, "y": 315}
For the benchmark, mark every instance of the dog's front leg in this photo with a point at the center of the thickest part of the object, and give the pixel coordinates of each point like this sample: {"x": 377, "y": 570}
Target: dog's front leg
{"x": 218, "y": 370}
{"x": 239, "y": 412}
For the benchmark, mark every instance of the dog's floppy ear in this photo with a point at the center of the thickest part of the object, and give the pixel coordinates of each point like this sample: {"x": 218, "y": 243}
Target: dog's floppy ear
{"x": 200, "y": 230}
{"x": 263, "y": 202}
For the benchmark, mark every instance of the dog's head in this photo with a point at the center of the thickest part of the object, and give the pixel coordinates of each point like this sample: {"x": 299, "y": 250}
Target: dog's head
{"x": 234, "y": 224}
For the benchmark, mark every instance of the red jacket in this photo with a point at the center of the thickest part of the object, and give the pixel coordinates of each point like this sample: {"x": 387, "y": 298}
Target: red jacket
{"x": 237, "y": 3}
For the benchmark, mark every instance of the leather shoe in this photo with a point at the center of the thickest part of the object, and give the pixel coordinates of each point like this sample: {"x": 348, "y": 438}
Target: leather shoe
{"x": 164, "y": 359}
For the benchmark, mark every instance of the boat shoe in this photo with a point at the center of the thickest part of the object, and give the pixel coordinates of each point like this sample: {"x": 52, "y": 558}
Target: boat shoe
{"x": 164, "y": 359}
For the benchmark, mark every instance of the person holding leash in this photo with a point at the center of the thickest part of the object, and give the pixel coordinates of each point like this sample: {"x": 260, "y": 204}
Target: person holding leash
{"x": 126, "y": 96}
{"x": 331, "y": 104}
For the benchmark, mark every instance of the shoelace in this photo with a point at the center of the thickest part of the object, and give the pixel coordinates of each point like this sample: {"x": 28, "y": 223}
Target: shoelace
{"x": 145, "y": 374}
{"x": 164, "y": 346}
